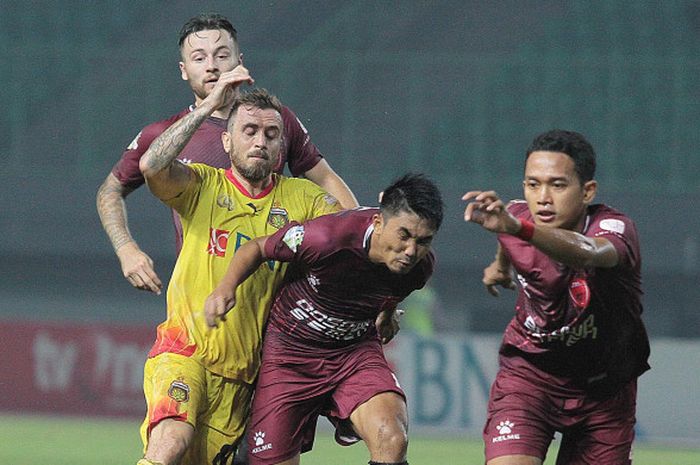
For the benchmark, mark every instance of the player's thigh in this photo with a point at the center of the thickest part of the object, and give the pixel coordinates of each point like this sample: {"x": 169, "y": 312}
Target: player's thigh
{"x": 515, "y": 460}
{"x": 606, "y": 435}
{"x": 175, "y": 388}
{"x": 519, "y": 426}
{"x": 175, "y": 391}
{"x": 286, "y": 406}
{"x": 221, "y": 426}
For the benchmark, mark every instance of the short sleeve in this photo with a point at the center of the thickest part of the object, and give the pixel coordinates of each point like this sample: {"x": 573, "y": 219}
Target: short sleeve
{"x": 127, "y": 170}
{"x": 302, "y": 154}
{"x": 621, "y": 232}
{"x": 186, "y": 202}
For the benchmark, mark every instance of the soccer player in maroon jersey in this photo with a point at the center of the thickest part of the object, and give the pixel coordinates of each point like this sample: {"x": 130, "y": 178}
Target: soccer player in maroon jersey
{"x": 208, "y": 47}
{"x": 570, "y": 358}
{"x": 322, "y": 351}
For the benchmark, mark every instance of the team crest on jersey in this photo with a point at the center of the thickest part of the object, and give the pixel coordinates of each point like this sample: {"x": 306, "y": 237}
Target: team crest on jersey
{"x": 294, "y": 237}
{"x": 580, "y": 293}
{"x": 278, "y": 217}
{"x": 330, "y": 200}
{"x": 179, "y": 391}
{"x": 225, "y": 201}
{"x": 218, "y": 241}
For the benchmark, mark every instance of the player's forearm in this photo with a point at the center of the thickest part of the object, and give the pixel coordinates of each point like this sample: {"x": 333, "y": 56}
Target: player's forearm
{"x": 324, "y": 176}
{"x": 166, "y": 147}
{"x": 501, "y": 259}
{"x": 338, "y": 189}
{"x": 112, "y": 211}
{"x": 574, "y": 249}
{"x": 245, "y": 261}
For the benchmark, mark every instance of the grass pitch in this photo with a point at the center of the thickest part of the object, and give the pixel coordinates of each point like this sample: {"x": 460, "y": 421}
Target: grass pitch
{"x": 30, "y": 440}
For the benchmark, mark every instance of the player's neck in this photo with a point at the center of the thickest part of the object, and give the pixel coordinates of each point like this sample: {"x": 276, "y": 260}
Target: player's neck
{"x": 250, "y": 188}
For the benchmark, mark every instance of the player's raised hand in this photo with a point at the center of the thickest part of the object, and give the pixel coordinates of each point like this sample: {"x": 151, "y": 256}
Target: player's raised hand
{"x": 138, "y": 268}
{"x": 487, "y": 209}
{"x": 224, "y": 90}
{"x": 495, "y": 275}
{"x": 217, "y": 305}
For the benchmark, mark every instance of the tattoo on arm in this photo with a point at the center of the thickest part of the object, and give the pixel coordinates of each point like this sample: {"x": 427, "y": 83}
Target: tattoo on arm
{"x": 170, "y": 143}
{"x": 112, "y": 211}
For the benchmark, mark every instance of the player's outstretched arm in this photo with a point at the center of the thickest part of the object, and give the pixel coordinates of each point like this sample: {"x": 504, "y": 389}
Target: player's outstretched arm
{"x": 323, "y": 175}
{"x": 245, "y": 261}
{"x": 567, "y": 247}
{"x": 136, "y": 265}
{"x": 166, "y": 176}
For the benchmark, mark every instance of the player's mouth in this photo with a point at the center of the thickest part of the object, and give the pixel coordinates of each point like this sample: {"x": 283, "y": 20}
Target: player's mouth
{"x": 545, "y": 216}
{"x": 211, "y": 81}
{"x": 259, "y": 155}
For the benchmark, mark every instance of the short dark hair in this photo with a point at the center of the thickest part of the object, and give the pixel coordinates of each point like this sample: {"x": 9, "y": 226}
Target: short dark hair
{"x": 258, "y": 98}
{"x": 206, "y": 22}
{"x": 571, "y": 143}
{"x": 413, "y": 193}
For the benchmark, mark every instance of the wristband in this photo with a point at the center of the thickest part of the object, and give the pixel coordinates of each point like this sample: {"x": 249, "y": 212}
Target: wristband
{"x": 527, "y": 230}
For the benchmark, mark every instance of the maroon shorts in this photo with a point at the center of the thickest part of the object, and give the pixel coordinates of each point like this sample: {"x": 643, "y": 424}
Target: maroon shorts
{"x": 296, "y": 386}
{"x": 523, "y": 415}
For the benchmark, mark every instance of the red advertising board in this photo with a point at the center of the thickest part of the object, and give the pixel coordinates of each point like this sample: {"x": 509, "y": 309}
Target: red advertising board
{"x": 73, "y": 369}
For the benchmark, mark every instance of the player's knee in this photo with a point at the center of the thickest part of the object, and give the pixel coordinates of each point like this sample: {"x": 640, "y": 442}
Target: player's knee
{"x": 390, "y": 440}
{"x": 147, "y": 462}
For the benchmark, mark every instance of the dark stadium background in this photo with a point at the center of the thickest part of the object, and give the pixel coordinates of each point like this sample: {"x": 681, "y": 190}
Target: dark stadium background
{"x": 451, "y": 88}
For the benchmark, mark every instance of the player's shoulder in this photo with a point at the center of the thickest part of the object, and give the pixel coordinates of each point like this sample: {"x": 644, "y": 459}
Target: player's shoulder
{"x": 156, "y": 128}
{"x": 607, "y": 218}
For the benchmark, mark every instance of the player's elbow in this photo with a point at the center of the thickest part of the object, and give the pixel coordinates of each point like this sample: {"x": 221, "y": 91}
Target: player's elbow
{"x": 146, "y": 166}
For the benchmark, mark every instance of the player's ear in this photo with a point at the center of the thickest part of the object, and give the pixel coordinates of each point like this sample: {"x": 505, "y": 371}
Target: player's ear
{"x": 183, "y": 72}
{"x": 226, "y": 141}
{"x": 378, "y": 222}
{"x": 590, "y": 188}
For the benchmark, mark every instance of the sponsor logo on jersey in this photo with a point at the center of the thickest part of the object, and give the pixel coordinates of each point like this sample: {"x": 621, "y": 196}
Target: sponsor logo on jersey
{"x": 278, "y": 217}
{"x": 225, "y": 201}
{"x": 260, "y": 444}
{"x": 179, "y": 391}
{"x": 580, "y": 293}
{"x": 332, "y": 327}
{"x": 218, "y": 241}
{"x": 505, "y": 432}
{"x": 613, "y": 225}
{"x": 294, "y": 237}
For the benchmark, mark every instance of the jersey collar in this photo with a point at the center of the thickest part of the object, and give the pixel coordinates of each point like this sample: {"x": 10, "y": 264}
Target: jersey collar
{"x": 244, "y": 191}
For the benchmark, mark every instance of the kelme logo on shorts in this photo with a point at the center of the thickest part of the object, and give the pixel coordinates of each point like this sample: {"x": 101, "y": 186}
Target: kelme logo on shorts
{"x": 179, "y": 391}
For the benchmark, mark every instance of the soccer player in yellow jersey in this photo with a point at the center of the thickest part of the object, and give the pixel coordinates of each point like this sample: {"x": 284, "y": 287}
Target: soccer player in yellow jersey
{"x": 198, "y": 381}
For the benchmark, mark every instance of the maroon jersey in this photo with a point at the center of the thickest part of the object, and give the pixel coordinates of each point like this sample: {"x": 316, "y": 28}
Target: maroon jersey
{"x": 582, "y": 324}
{"x": 206, "y": 147}
{"x": 333, "y": 293}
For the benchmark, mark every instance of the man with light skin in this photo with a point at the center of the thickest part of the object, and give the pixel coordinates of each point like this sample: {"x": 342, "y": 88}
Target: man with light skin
{"x": 198, "y": 383}
{"x": 208, "y": 48}
{"x": 322, "y": 351}
{"x": 570, "y": 358}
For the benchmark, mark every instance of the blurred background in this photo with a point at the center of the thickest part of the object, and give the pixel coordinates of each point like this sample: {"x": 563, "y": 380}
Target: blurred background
{"x": 455, "y": 89}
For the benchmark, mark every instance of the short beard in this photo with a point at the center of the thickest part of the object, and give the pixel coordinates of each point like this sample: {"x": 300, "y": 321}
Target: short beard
{"x": 255, "y": 173}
